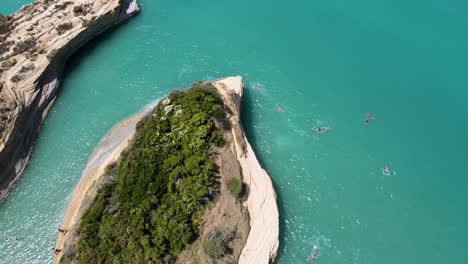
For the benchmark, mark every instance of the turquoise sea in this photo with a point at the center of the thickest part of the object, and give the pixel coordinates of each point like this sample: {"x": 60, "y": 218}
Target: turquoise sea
{"x": 326, "y": 63}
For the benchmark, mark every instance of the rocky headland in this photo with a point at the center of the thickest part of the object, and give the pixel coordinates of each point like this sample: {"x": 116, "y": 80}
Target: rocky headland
{"x": 245, "y": 223}
{"x": 35, "y": 44}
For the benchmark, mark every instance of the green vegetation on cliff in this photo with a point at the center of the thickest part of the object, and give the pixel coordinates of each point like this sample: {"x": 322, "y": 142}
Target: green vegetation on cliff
{"x": 3, "y": 24}
{"x": 216, "y": 242}
{"x": 160, "y": 189}
{"x": 235, "y": 187}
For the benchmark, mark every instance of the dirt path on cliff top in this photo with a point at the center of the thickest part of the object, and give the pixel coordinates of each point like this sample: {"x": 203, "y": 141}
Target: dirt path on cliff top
{"x": 227, "y": 213}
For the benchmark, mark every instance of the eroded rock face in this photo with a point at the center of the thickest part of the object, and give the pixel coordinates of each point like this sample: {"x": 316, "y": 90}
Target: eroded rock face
{"x": 35, "y": 43}
{"x": 262, "y": 243}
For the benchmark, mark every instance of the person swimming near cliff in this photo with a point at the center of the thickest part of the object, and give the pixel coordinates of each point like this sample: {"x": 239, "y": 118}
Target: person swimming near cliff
{"x": 313, "y": 256}
{"x": 386, "y": 171}
{"x": 321, "y": 129}
{"x": 279, "y": 108}
{"x": 12, "y": 239}
{"x": 63, "y": 231}
{"x": 368, "y": 117}
{"x": 257, "y": 87}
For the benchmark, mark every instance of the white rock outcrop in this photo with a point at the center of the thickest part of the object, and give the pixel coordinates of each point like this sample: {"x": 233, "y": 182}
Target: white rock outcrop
{"x": 262, "y": 242}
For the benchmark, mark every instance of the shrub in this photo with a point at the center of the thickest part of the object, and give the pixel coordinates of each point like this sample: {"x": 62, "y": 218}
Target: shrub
{"x": 217, "y": 111}
{"x": 214, "y": 247}
{"x": 217, "y": 139}
{"x": 51, "y": 55}
{"x": 82, "y": 10}
{"x": 216, "y": 242}
{"x": 85, "y": 22}
{"x": 8, "y": 64}
{"x": 4, "y": 24}
{"x": 16, "y": 78}
{"x": 64, "y": 27}
{"x": 78, "y": 10}
{"x": 63, "y": 6}
{"x": 27, "y": 67}
{"x": 5, "y": 46}
{"x": 24, "y": 46}
{"x": 235, "y": 186}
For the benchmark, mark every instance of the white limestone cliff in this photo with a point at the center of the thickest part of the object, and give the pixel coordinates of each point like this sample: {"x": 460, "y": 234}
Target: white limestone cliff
{"x": 262, "y": 242}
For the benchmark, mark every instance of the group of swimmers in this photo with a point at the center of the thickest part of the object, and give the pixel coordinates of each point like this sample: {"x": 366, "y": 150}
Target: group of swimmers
{"x": 12, "y": 239}
{"x": 279, "y": 108}
{"x": 367, "y": 117}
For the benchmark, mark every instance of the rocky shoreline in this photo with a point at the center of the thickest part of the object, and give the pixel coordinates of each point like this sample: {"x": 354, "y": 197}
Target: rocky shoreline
{"x": 262, "y": 240}
{"x": 35, "y": 44}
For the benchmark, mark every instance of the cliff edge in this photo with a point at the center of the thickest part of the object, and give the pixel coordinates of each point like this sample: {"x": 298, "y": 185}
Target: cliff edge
{"x": 262, "y": 242}
{"x": 35, "y": 43}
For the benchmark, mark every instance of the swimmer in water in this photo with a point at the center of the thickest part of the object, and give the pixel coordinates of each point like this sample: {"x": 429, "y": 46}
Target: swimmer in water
{"x": 313, "y": 256}
{"x": 256, "y": 87}
{"x": 279, "y": 108}
{"x": 323, "y": 129}
{"x": 12, "y": 239}
{"x": 369, "y": 116}
{"x": 386, "y": 171}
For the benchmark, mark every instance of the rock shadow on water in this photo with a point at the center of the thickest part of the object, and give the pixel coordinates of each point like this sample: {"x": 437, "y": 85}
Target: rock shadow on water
{"x": 246, "y": 119}
{"x": 105, "y": 38}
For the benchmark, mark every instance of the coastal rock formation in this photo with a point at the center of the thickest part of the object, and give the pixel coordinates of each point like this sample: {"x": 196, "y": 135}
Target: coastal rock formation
{"x": 35, "y": 44}
{"x": 258, "y": 244}
{"x": 262, "y": 242}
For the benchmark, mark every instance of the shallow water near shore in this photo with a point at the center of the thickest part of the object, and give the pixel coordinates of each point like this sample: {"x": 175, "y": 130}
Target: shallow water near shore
{"x": 326, "y": 63}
